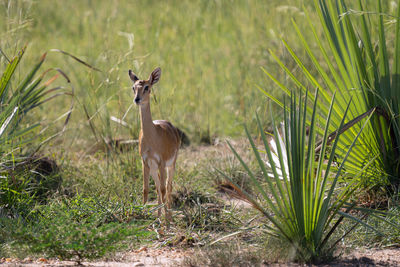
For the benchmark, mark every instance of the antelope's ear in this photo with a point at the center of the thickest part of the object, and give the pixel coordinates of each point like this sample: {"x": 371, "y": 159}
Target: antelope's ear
{"x": 155, "y": 76}
{"x": 133, "y": 77}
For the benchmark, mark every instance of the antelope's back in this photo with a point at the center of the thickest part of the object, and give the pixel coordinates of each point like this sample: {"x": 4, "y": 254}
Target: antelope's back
{"x": 169, "y": 133}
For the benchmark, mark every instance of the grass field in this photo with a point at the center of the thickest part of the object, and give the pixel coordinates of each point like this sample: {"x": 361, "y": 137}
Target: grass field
{"x": 212, "y": 55}
{"x": 210, "y": 52}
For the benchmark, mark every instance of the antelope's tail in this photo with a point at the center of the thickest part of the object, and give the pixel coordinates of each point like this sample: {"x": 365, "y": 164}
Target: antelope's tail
{"x": 184, "y": 138}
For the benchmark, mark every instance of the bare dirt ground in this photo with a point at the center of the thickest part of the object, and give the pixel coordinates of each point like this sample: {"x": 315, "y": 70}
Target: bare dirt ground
{"x": 362, "y": 257}
{"x": 142, "y": 257}
{"x": 372, "y": 257}
{"x": 172, "y": 257}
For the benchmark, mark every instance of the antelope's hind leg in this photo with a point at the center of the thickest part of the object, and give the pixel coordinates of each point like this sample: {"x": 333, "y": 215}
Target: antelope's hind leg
{"x": 146, "y": 172}
{"x": 170, "y": 177}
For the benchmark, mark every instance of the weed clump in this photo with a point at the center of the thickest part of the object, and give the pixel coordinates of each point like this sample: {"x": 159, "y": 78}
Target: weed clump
{"x": 201, "y": 211}
{"x": 26, "y": 182}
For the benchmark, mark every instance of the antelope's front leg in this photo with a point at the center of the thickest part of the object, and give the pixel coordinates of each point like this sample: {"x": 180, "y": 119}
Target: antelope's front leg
{"x": 146, "y": 172}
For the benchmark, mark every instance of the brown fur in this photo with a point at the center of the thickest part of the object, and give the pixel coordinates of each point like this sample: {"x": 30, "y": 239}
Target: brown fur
{"x": 159, "y": 142}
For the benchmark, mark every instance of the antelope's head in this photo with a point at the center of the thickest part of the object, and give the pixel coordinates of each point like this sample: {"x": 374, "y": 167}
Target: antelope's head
{"x": 142, "y": 88}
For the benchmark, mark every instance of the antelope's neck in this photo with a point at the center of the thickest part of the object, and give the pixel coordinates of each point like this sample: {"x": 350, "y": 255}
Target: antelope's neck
{"x": 146, "y": 121}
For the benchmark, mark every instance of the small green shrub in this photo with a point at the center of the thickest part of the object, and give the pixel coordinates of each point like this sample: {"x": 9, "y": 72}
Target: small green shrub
{"x": 77, "y": 229}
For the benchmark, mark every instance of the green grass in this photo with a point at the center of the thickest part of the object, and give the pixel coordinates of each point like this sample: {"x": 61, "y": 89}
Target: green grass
{"x": 210, "y": 53}
{"x": 118, "y": 177}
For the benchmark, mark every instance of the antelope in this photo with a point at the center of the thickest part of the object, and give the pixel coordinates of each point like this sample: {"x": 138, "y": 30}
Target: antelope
{"x": 159, "y": 142}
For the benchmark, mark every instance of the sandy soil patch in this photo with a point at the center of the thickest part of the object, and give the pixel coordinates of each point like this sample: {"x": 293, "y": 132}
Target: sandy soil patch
{"x": 142, "y": 257}
{"x": 152, "y": 257}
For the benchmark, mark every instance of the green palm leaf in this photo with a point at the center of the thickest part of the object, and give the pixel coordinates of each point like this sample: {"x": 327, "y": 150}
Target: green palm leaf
{"x": 298, "y": 191}
{"x": 15, "y": 103}
{"x": 354, "y": 69}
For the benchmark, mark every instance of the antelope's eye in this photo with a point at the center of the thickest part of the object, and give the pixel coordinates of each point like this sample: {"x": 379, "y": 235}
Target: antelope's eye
{"x": 133, "y": 88}
{"x": 146, "y": 88}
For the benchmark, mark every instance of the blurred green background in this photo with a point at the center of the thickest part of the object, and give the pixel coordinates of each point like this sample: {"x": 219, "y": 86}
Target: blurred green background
{"x": 210, "y": 53}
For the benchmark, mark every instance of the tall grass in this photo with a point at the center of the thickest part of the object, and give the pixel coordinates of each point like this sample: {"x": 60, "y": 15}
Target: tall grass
{"x": 210, "y": 55}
